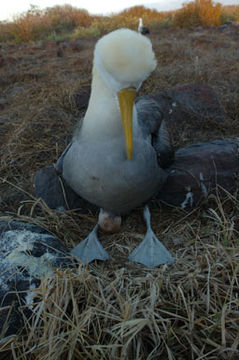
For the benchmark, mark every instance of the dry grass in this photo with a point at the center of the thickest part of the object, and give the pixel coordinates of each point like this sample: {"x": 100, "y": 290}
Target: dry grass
{"x": 119, "y": 310}
{"x": 122, "y": 311}
{"x": 36, "y": 24}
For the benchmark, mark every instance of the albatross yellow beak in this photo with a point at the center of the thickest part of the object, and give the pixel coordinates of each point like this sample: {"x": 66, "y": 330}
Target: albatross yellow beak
{"x": 126, "y": 99}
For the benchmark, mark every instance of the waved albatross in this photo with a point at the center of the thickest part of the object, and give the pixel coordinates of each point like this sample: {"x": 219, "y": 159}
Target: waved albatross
{"x": 142, "y": 29}
{"x": 115, "y": 157}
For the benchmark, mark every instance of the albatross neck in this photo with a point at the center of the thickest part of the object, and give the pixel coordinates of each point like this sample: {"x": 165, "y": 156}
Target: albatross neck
{"x": 102, "y": 119}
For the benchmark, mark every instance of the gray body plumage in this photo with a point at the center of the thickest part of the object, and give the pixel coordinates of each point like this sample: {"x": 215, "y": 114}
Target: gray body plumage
{"x": 105, "y": 178}
{"x": 101, "y": 174}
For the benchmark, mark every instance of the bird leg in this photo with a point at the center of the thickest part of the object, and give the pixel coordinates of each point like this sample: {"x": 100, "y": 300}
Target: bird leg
{"x": 90, "y": 249}
{"x": 151, "y": 252}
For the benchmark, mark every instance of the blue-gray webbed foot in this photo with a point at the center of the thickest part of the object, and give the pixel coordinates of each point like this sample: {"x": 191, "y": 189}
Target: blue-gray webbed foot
{"x": 90, "y": 249}
{"x": 151, "y": 252}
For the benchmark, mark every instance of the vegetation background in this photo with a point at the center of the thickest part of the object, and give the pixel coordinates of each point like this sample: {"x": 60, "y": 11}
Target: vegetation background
{"x": 61, "y": 22}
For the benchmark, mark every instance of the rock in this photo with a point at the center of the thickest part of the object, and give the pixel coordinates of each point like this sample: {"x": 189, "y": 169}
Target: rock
{"x": 187, "y": 109}
{"x": 199, "y": 101}
{"x": 28, "y": 253}
{"x": 82, "y": 97}
{"x": 229, "y": 29}
{"x": 186, "y": 106}
{"x": 195, "y": 173}
{"x": 77, "y": 45}
{"x": 2, "y": 61}
{"x": 49, "y": 187}
{"x": 59, "y": 52}
{"x": 222, "y": 27}
{"x": 3, "y": 104}
{"x": 9, "y": 196}
{"x": 198, "y": 169}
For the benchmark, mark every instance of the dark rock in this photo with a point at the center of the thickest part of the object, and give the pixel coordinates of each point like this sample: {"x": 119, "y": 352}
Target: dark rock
{"x": 59, "y": 52}
{"x": 82, "y": 97}
{"x": 187, "y": 109}
{"x": 222, "y": 27}
{"x": 10, "y": 196}
{"x": 2, "y": 60}
{"x": 229, "y": 28}
{"x": 77, "y": 45}
{"x": 197, "y": 100}
{"x": 198, "y": 169}
{"x": 3, "y": 104}
{"x": 28, "y": 253}
{"x": 195, "y": 173}
{"x": 51, "y": 188}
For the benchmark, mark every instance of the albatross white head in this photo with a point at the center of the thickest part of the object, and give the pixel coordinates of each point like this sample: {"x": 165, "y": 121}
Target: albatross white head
{"x": 123, "y": 59}
{"x": 140, "y": 24}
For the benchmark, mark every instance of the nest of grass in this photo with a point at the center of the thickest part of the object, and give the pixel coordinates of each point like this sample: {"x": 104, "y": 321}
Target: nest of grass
{"x": 120, "y": 310}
